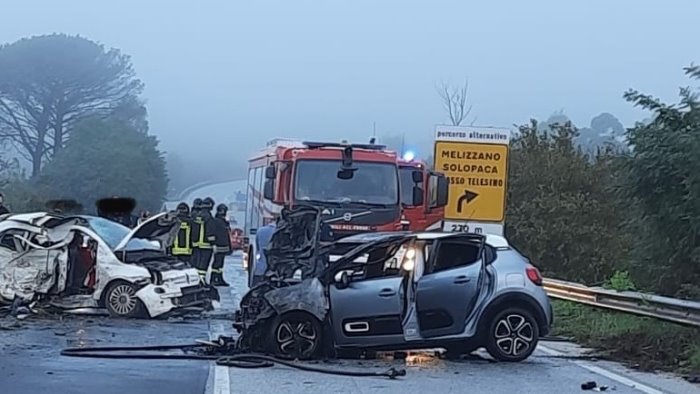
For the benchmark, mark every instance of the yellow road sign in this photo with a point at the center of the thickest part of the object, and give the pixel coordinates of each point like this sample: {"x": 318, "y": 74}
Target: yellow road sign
{"x": 478, "y": 175}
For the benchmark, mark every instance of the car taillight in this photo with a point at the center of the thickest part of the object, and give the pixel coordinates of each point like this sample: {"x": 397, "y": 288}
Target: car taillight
{"x": 534, "y": 275}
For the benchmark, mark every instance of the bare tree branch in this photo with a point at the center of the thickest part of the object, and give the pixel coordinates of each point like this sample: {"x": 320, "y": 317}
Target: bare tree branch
{"x": 455, "y": 101}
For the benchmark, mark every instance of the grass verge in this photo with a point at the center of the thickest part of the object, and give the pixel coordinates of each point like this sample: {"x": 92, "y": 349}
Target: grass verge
{"x": 645, "y": 343}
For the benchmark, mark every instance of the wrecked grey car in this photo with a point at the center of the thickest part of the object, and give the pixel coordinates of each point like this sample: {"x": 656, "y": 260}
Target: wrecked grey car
{"x": 392, "y": 291}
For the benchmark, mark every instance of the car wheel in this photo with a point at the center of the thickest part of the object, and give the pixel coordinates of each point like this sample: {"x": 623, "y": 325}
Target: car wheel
{"x": 296, "y": 334}
{"x": 512, "y": 335}
{"x": 121, "y": 301}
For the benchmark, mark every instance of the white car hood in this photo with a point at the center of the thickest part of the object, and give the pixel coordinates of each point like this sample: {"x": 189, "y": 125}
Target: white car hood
{"x": 162, "y": 227}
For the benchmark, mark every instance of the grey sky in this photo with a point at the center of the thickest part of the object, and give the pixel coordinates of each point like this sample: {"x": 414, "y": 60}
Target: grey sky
{"x": 238, "y": 73}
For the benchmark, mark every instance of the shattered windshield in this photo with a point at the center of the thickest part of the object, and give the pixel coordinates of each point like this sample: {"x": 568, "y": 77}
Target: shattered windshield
{"x": 113, "y": 233}
{"x": 372, "y": 183}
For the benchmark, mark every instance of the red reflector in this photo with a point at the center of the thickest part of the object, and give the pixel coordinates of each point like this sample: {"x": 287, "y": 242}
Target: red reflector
{"x": 534, "y": 275}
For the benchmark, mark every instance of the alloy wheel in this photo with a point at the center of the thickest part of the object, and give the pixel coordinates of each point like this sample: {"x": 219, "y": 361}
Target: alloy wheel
{"x": 122, "y": 299}
{"x": 297, "y": 337}
{"x": 514, "y": 335}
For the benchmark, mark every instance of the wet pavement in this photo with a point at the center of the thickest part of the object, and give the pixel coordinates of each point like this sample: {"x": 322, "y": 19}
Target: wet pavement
{"x": 30, "y": 363}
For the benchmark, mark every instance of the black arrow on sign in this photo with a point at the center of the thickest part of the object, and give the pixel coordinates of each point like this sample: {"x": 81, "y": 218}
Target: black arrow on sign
{"x": 465, "y": 198}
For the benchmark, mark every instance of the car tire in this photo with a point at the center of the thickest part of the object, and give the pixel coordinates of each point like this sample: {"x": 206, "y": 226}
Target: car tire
{"x": 512, "y": 335}
{"x": 296, "y": 335}
{"x": 121, "y": 301}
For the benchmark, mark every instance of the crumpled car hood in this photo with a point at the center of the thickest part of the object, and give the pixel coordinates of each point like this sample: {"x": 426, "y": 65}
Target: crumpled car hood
{"x": 162, "y": 227}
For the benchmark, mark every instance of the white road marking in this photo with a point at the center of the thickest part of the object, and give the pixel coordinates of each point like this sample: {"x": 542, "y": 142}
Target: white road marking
{"x": 604, "y": 372}
{"x": 221, "y": 380}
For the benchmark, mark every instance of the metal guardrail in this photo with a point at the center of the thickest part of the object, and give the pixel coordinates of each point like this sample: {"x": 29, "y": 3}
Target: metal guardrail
{"x": 665, "y": 308}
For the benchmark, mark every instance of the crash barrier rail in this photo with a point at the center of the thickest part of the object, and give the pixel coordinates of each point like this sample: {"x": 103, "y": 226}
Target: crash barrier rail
{"x": 664, "y": 308}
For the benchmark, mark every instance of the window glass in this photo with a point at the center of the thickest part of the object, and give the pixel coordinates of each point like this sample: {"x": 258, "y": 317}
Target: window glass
{"x": 452, "y": 254}
{"x": 371, "y": 183}
{"x": 432, "y": 189}
{"x": 406, "y": 182}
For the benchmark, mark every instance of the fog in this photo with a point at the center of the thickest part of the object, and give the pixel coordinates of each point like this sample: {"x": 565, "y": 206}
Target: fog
{"x": 222, "y": 77}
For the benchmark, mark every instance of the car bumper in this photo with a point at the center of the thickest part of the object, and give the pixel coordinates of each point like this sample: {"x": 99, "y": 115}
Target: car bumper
{"x": 159, "y": 300}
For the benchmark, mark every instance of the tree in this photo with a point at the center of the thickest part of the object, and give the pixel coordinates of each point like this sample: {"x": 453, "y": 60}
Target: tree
{"x": 106, "y": 157}
{"x": 8, "y": 170}
{"x": 605, "y": 132}
{"x": 562, "y": 211}
{"x": 49, "y": 83}
{"x": 455, "y": 100}
{"x": 663, "y": 178}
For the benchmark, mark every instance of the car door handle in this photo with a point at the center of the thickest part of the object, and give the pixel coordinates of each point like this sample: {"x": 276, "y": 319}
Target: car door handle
{"x": 460, "y": 280}
{"x": 387, "y": 293}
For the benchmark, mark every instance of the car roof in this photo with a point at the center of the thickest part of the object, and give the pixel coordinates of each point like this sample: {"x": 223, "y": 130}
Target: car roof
{"x": 494, "y": 240}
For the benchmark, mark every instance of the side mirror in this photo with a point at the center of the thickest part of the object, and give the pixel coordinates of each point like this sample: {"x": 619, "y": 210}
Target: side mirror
{"x": 269, "y": 190}
{"x": 417, "y": 176}
{"x": 270, "y": 172}
{"x": 417, "y": 196}
{"x": 443, "y": 189}
{"x": 342, "y": 280}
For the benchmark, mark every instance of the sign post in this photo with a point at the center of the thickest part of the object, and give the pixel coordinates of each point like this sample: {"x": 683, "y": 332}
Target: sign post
{"x": 475, "y": 162}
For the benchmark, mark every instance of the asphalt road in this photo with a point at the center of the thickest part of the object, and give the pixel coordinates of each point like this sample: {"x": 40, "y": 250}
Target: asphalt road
{"x": 30, "y": 363}
{"x": 30, "y": 360}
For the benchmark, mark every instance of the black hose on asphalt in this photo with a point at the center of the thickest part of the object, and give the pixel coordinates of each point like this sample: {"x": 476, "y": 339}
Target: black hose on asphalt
{"x": 242, "y": 360}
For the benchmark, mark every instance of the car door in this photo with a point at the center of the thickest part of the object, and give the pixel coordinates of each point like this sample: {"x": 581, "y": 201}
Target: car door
{"x": 368, "y": 311}
{"x": 26, "y": 269}
{"x": 447, "y": 292}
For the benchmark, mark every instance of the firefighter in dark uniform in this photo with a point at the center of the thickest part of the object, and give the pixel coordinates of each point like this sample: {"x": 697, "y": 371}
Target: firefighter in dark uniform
{"x": 182, "y": 246}
{"x": 196, "y": 206}
{"x": 223, "y": 245}
{"x": 202, "y": 237}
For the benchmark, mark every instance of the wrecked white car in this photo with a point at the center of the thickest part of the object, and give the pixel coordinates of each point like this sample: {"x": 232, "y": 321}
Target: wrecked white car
{"x": 72, "y": 262}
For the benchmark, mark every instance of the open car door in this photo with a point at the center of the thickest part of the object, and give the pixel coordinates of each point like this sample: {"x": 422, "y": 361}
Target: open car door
{"x": 447, "y": 290}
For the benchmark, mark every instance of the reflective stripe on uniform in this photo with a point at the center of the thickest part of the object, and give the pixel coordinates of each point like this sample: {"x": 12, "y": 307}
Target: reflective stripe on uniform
{"x": 200, "y": 242}
{"x": 178, "y": 248}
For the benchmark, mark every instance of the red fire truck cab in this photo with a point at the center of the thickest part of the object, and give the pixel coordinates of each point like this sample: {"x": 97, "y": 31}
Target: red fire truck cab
{"x": 428, "y": 215}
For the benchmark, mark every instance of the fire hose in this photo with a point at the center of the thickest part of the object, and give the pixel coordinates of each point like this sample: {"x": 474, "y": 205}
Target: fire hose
{"x": 232, "y": 358}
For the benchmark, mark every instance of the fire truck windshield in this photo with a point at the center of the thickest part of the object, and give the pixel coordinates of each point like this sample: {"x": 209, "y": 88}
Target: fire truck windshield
{"x": 372, "y": 183}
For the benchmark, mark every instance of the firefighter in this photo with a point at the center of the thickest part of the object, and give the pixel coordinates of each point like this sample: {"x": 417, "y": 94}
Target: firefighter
{"x": 222, "y": 244}
{"x": 196, "y": 206}
{"x": 182, "y": 245}
{"x": 202, "y": 237}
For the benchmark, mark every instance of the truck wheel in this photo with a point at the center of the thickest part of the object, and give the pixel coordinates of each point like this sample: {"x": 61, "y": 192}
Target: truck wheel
{"x": 121, "y": 301}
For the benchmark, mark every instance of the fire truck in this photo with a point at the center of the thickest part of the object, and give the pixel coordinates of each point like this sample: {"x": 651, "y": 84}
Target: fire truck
{"x": 356, "y": 186}
{"x": 428, "y": 215}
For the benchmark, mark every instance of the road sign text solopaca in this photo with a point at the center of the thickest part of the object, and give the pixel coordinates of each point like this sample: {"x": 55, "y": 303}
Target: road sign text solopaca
{"x": 477, "y": 171}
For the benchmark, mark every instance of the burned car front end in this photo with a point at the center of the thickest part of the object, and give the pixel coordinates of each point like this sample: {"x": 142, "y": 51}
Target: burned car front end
{"x": 288, "y": 313}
